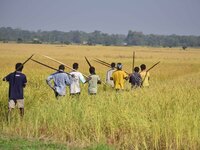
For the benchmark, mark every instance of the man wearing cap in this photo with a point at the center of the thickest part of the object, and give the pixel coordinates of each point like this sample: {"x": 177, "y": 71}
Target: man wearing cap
{"x": 60, "y": 81}
{"x": 118, "y": 77}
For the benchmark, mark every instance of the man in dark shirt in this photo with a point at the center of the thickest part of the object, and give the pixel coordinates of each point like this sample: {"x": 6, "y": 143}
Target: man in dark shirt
{"x": 17, "y": 81}
{"x": 135, "y": 79}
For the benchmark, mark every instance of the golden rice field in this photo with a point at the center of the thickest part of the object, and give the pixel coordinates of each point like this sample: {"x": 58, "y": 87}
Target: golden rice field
{"x": 164, "y": 116}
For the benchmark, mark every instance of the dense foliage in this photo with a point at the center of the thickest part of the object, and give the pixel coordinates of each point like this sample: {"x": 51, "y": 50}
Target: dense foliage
{"x": 96, "y": 37}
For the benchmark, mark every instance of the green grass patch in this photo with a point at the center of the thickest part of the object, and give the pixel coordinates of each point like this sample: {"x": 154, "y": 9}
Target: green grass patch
{"x": 24, "y": 144}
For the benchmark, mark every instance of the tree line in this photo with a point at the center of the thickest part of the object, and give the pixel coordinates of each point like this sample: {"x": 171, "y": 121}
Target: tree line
{"x": 97, "y": 37}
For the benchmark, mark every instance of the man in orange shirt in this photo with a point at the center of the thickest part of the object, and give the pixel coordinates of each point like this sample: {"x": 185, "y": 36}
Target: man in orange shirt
{"x": 119, "y": 76}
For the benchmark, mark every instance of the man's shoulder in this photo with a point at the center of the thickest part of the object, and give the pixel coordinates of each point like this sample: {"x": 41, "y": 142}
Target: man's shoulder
{"x": 116, "y": 71}
{"x": 147, "y": 74}
{"x": 55, "y": 73}
{"x": 64, "y": 74}
{"x": 94, "y": 76}
{"x": 124, "y": 72}
{"x": 19, "y": 74}
{"x": 75, "y": 73}
{"x": 22, "y": 74}
{"x": 97, "y": 76}
{"x": 136, "y": 73}
{"x": 121, "y": 72}
{"x": 111, "y": 70}
{"x": 59, "y": 74}
{"x": 132, "y": 74}
{"x": 79, "y": 73}
{"x": 10, "y": 74}
{"x": 143, "y": 72}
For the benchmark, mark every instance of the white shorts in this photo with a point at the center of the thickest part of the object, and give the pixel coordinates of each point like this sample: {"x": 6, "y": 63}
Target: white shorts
{"x": 19, "y": 102}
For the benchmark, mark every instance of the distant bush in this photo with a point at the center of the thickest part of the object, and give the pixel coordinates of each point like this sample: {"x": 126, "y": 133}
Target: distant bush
{"x": 184, "y": 47}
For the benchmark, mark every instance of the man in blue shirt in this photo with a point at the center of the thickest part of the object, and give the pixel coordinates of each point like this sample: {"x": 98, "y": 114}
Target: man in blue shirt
{"x": 17, "y": 81}
{"x": 60, "y": 81}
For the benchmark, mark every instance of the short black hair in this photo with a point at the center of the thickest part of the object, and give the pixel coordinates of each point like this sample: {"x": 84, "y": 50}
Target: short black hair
{"x": 112, "y": 65}
{"x": 19, "y": 66}
{"x": 75, "y": 66}
{"x": 92, "y": 70}
{"x": 143, "y": 66}
{"x": 61, "y": 67}
{"x": 136, "y": 69}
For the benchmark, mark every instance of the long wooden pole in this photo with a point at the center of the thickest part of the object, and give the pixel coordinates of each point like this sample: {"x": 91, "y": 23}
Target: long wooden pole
{"x": 102, "y": 63}
{"x": 91, "y": 66}
{"x": 105, "y": 64}
{"x": 22, "y": 65}
{"x": 149, "y": 70}
{"x": 133, "y": 63}
{"x": 48, "y": 66}
{"x": 153, "y": 66}
{"x": 88, "y": 62}
{"x": 62, "y": 64}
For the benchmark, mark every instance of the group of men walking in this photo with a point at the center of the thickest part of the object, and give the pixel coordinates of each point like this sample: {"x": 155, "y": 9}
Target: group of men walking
{"x": 60, "y": 79}
{"x": 116, "y": 78}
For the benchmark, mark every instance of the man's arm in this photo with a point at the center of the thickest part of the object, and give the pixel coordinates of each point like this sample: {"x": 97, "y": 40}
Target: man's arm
{"x": 131, "y": 79}
{"x": 48, "y": 80}
{"x": 126, "y": 76}
{"x": 88, "y": 79}
{"x": 99, "y": 80}
{"x": 24, "y": 82}
{"x": 112, "y": 77}
{"x": 140, "y": 79}
{"x": 68, "y": 79}
{"x": 82, "y": 79}
{"x": 6, "y": 78}
{"x": 148, "y": 76}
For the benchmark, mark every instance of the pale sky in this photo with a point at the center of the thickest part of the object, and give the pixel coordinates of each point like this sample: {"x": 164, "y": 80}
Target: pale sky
{"x": 181, "y": 17}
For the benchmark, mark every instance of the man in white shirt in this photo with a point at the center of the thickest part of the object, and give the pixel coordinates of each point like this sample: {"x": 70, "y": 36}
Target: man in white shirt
{"x": 109, "y": 74}
{"x": 77, "y": 77}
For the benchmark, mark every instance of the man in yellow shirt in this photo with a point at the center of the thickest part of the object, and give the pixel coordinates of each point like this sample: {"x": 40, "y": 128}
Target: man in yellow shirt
{"x": 119, "y": 76}
{"x": 145, "y": 76}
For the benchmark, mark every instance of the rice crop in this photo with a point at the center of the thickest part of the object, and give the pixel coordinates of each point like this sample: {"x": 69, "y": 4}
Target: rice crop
{"x": 164, "y": 116}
